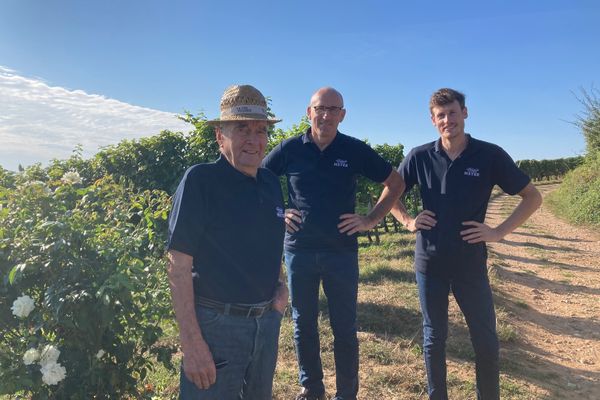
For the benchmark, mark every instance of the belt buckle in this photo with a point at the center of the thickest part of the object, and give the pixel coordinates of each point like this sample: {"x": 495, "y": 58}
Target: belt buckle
{"x": 261, "y": 310}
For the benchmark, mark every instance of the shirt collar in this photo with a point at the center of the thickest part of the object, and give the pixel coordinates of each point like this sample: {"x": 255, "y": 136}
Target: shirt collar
{"x": 470, "y": 145}
{"x": 230, "y": 170}
{"x": 306, "y": 138}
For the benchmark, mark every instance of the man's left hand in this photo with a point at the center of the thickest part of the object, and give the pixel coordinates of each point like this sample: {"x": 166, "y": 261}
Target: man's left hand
{"x": 480, "y": 233}
{"x": 353, "y": 223}
{"x": 280, "y": 300}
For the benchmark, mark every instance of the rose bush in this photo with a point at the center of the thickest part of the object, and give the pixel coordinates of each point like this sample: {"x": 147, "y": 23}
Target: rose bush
{"x": 83, "y": 289}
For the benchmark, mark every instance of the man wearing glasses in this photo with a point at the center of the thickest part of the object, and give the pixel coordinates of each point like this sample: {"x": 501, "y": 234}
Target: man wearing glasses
{"x": 321, "y": 167}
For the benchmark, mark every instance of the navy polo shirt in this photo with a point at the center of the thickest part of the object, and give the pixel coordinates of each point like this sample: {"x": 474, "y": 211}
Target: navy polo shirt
{"x": 457, "y": 191}
{"x": 233, "y": 226}
{"x": 322, "y": 185}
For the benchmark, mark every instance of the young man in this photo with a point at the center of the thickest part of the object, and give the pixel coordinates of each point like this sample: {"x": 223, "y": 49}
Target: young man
{"x": 225, "y": 245}
{"x": 455, "y": 175}
{"x": 320, "y": 244}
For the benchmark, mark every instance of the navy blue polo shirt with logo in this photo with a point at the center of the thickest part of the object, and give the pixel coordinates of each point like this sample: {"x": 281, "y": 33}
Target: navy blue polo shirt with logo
{"x": 233, "y": 226}
{"x": 457, "y": 191}
{"x": 322, "y": 185}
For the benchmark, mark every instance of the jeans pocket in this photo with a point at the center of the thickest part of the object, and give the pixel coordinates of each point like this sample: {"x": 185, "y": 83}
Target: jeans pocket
{"x": 207, "y": 316}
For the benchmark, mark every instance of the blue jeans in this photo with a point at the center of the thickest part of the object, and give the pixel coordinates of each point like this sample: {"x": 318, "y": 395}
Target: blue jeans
{"x": 474, "y": 297}
{"x": 339, "y": 273}
{"x": 250, "y": 347}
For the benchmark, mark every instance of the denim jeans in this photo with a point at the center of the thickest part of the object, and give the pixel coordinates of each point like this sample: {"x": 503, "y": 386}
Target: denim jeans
{"x": 249, "y": 345}
{"x": 474, "y": 297}
{"x": 339, "y": 273}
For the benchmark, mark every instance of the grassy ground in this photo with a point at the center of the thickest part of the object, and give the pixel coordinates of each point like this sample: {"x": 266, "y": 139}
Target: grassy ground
{"x": 390, "y": 337}
{"x": 578, "y": 197}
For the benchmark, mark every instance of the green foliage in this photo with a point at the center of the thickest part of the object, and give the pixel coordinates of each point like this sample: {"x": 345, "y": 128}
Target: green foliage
{"x": 159, "y": 161}
{"x": 7, "y": 178}
{"x": 91, "y": 260}
{"x": 155, "y": 162}
{"x": 578, "y": 197}
{"x": 32, "y": 173}
{"x": 76, "y": 162}
{"x": 203, "y": 146}
{"x": 367, "y": 191}
{"x": 392, "y": 154}
{"x": 548, "y": 169}
{"x": 279, "y": 135}
{"x": 589, "y": 120}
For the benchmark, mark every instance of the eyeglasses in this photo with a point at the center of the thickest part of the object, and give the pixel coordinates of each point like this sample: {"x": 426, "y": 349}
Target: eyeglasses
{"x": 327, "y": 109}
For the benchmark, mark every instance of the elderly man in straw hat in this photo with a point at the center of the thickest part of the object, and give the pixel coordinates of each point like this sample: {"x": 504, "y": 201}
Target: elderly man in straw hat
{"x": 224, "y": 252}
{"x": 322, "y": 166}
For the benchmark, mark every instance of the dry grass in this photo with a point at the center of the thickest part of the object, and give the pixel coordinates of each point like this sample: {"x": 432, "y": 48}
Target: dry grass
{"x": 391, "y": 364}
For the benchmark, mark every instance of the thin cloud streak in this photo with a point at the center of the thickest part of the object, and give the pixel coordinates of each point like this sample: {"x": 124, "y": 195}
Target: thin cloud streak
{"x": 39, "y": 122}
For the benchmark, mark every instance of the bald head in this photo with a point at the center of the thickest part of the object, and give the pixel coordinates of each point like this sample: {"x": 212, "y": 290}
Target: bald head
{"x": 325, "y": 112}
{"x": 328, "y": 93}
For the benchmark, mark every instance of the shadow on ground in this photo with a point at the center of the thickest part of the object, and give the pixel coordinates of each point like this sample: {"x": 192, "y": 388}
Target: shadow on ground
{"x": 386, "y": 274}
{"x": 551, "y": 237}
{"x": 540, "y": 246}
{"x": 542, "y": 262}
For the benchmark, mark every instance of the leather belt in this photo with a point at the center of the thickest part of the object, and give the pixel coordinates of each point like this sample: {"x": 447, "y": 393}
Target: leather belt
{"x": 239, "y": 310}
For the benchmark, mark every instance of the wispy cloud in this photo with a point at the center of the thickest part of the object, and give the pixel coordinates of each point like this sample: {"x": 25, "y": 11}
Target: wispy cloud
{"x": 39, "y": 122}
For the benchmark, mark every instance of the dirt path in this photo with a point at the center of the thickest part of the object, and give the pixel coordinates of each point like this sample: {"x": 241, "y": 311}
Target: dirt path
{"x": 547, "y": 278}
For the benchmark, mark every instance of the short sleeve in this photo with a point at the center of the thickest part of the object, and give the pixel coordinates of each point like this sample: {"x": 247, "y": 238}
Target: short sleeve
{"x": 375, "y": 167}
{"x": 408, "y": 171}
{"x": 506, "y": 174}
{"x": 186, "y": 220}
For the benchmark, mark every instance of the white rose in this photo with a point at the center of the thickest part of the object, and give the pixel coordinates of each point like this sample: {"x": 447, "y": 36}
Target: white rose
{"x": 100, "y": 353}
{"x": 22, "y": 306}
{"x": 31, "y": 356}
{"x": 71, "y": 178}
{"x": 49, "y": 355}
{"x": 52, "y": 373}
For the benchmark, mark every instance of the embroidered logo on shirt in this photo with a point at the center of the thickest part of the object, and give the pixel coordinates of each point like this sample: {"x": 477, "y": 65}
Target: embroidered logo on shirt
{"x": 340, "y": 163}
{"x": 280, "y": 212}
{"x": 472, "y": 171}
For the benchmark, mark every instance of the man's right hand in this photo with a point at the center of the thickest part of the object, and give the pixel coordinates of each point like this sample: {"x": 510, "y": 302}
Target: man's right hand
{"x": 425, "y": 220}
{"x": 293, "y": 218}
{"x": 198, "y": 364}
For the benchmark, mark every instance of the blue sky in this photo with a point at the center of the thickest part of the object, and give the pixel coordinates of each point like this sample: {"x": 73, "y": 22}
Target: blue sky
{"x": 96, "y": 72}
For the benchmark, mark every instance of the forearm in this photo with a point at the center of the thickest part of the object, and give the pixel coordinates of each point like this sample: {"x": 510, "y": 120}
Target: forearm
{"x": 280, "y": 298}
{"x": 400, "y": 213}
{"x": 530, "y": 201}
{"x": 394, "y": 186}
{"x": 182, "y": 294}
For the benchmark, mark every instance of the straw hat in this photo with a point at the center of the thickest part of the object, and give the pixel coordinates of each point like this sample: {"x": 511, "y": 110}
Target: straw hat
{"x": 243, "y": 103}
